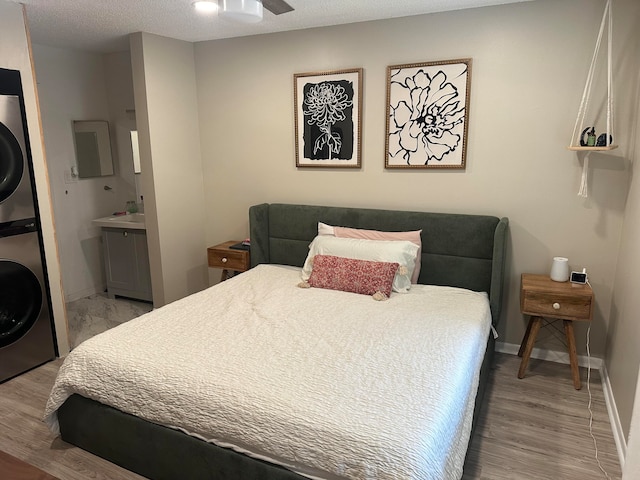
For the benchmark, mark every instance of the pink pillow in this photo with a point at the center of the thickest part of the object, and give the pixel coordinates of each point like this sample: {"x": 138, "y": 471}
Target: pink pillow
{"x": 351, "y": 275}
{"x": 344, "y": 232}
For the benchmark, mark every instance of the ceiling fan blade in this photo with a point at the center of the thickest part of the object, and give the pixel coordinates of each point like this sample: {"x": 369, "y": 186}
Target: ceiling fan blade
{"x": 277, "y": 7}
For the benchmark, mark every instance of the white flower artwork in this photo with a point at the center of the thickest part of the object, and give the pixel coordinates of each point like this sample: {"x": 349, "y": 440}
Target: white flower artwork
{"x": 323, "y": 106}
{"x": 328, "y": 107}
{"x": 427, "y": 114}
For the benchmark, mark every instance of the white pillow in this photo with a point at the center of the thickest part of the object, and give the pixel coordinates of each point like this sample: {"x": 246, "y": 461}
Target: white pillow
{"x": 324, "y": 229}
{"x": 401, "y": 252}
{"x": 414, "y": 236}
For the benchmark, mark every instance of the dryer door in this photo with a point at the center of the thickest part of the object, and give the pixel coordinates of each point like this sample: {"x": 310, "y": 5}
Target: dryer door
{"x": 20, "y": 301}
{"x": 11, "y": 163}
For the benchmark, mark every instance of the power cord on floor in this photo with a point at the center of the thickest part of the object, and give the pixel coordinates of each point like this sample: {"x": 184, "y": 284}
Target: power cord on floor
{"x": 595, "y": 443}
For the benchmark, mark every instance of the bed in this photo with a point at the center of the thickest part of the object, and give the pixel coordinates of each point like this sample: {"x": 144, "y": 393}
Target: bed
{"x": 462, "y": 263}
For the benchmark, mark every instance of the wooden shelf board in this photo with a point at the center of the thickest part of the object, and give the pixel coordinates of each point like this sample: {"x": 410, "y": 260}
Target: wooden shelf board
{"x": 592, "y": 149}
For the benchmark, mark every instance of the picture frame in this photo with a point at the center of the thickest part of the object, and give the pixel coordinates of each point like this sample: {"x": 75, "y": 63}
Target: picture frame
{"x": 328, "y": 118}
{"x": 428, "y": 114}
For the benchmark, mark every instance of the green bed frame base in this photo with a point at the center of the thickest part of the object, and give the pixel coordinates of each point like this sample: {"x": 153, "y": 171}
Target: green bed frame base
{"x": 467, "y": 251}
{"x": 155, "y": 451}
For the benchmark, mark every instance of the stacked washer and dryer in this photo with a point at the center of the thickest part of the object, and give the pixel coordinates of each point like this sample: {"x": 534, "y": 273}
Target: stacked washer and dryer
{"x": 26, "y": 325}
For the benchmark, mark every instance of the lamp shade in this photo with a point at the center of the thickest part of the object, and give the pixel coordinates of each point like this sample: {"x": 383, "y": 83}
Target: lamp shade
{"x": 248, "y": 11}
{"x": 560, "y": 269}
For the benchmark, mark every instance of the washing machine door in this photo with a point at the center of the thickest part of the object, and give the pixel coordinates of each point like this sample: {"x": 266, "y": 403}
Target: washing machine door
{"x": 20, "y": 301}
{"x": 11, "y": 163}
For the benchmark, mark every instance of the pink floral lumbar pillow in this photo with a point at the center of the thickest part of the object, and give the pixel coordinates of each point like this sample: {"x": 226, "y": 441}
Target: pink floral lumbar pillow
{"x": 351, "y": 275}
{"x": 345, "y": 232}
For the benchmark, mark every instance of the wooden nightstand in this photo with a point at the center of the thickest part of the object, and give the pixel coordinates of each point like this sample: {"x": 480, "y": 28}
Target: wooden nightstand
{"x": 542, "y": 297}
{"x": 228, "y": 259}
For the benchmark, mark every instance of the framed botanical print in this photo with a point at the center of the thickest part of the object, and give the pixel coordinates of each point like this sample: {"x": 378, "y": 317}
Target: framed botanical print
{"x": 428, "y": 114}
{"x": 328, "y": 112}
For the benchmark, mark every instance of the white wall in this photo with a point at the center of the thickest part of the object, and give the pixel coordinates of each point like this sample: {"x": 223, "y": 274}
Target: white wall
{"x": 83, "y": 86}
{"x": 72, "y": 87}
{"x": 530, "y": 62}
{"x": 15, "y": 54}
{"x": 119, "y": 83}
{"x": 167, "y": 117}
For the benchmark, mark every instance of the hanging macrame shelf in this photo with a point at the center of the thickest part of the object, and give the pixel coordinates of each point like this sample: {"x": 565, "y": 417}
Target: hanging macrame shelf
{"x": 592, "y": 149}
{"x": 577, "y": 140}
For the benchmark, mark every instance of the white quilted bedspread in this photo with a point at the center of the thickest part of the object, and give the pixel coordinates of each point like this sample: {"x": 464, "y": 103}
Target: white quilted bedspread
{"x": 330, "y": 384}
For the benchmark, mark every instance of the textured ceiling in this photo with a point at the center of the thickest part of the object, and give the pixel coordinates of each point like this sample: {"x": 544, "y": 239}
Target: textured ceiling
{"x": 104, "y": 25}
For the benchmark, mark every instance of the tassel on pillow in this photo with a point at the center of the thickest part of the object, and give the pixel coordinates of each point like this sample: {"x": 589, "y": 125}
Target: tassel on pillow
{"x": 380, "y": 297}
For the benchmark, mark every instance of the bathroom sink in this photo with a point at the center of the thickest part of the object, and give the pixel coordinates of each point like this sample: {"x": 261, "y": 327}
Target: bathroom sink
{"x": 130, "y": 220}
{"x": 130, "y": 217}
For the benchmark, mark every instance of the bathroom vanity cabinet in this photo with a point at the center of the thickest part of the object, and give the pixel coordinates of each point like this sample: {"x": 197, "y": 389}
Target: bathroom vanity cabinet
{"x": 126, "y": 260}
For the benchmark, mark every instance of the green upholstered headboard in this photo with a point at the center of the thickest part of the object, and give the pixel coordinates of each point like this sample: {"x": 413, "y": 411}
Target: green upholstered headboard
{"x": 465, "y": 251}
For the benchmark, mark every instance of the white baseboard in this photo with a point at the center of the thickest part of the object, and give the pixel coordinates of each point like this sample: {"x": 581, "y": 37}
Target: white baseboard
{"x": 583, "y": 361}
{"x": 614, "y": 418}
{"x": 549, "y": 355}
{"x": 72, "y": 297}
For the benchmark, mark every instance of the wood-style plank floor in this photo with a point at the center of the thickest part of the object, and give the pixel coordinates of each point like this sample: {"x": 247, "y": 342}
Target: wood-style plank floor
{"x": 25, "y": 436}
{"x": 537, "y": 428}
{"x": 15, "y": 469}
{"x": 534, "y": 428}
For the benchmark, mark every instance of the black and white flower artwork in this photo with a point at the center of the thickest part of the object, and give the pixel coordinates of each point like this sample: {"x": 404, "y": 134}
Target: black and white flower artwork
{"x": 327, "y": 111}
{"x": 427, "y": 114}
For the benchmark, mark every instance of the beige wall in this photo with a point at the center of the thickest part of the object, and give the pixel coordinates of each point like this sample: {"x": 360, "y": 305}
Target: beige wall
{"x": 166, "y": 112}
{"x": 530, "y": 63}
{"x": 623, "y": 336}
{"x": 631, "y": 466}
{"x": 15, "y": 54}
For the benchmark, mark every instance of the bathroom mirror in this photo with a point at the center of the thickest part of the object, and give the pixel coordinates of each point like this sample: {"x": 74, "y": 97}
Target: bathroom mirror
{"x": 93, "y": 148}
